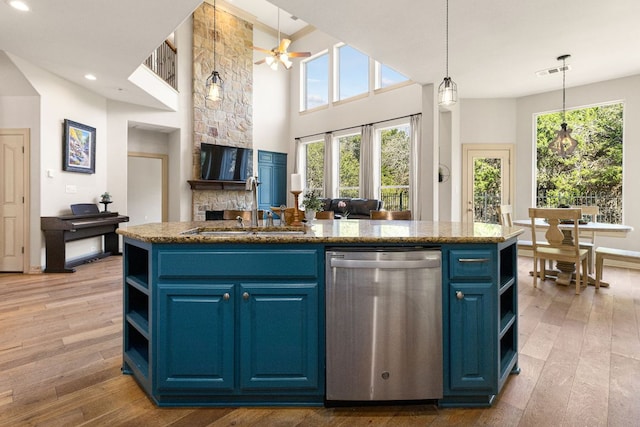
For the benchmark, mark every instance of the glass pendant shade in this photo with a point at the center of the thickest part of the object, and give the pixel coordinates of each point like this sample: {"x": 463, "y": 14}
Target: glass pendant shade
{"x": 215, "y": 91}
{"x": 563, "y": 144}
{"x": 447, "y": 92}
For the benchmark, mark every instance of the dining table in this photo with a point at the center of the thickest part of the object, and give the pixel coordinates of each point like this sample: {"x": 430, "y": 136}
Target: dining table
{"x": 564, "y": 273}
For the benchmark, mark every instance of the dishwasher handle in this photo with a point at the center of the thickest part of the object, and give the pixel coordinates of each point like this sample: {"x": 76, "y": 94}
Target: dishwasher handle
{"x": 390, "y": 264}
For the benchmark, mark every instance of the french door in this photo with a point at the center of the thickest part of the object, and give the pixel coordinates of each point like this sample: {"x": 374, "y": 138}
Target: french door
{"x": 487, "y": 180}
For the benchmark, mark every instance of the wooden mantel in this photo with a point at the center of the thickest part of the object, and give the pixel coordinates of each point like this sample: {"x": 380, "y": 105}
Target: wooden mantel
{"x": 203, "y": 184}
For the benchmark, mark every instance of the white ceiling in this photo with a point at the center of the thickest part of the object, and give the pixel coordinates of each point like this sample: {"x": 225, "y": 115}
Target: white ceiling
{"x": 496, "y": 46}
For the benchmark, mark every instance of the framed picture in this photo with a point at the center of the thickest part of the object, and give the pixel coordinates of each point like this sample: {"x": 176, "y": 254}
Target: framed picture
{"x": 79, "y": 147}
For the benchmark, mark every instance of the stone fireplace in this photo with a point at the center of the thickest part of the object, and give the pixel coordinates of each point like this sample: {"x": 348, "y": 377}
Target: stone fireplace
{"x": 228, "y": 121}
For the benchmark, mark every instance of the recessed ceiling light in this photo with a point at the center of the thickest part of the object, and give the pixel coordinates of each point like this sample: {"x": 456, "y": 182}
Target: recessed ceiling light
{"x": 18, "y": 4}
{"x": 90, "y": 77}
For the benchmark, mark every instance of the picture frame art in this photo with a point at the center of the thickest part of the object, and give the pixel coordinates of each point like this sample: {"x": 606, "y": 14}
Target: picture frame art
{"x": 79, "y": 147}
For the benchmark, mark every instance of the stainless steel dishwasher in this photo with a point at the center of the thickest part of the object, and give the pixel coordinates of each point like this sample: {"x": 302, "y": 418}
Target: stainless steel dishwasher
{"x": 384, "y": 324}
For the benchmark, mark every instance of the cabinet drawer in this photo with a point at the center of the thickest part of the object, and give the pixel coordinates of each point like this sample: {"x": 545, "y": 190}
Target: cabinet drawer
{"x": 273, "y": 263}
{"x": 466, "y": 264}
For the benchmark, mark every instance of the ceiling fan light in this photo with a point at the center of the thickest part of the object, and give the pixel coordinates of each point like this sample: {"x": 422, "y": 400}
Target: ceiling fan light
{"x": 285, "y": 61}
{"x": 447, "y": 92}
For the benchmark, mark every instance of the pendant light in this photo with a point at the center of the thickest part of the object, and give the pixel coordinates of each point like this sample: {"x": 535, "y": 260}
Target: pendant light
{"x": 214, "y": 81}
{"x": 448, "y": 90}
{"x": 564, "y": 144}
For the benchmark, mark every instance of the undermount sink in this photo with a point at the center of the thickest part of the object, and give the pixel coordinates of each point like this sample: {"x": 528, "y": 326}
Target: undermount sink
{"x": 249, "y": 231}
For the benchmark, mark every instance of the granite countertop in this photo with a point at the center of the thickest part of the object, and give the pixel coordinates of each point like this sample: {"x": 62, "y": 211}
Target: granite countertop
{"x": 323, "y": 231}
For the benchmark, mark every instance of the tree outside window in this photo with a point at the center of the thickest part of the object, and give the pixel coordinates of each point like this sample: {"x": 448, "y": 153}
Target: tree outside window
{"x": 394, "y": 167}
{"x": 349, "y": 166}
{"x": 592, "y": 175}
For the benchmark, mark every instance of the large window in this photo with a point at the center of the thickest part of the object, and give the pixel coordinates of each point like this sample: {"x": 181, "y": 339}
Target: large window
{"x": 349, "y": 166}
{"x": 592, "y": 174}
{"x": 316, "y": 82}
{"x": 353, "y": 73}
{"x": 394, "y": 167}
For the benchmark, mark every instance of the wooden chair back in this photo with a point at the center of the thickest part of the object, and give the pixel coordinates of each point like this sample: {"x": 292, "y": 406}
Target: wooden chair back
{"x": 505, "y": 215}
{"x": 325, "y": 215}
{"x": 245, "y": 215}
{"x": 554, "y": 216}
{"x": 390, "y": 214}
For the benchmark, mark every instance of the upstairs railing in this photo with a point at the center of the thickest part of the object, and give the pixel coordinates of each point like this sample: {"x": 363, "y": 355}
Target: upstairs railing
{"x": 162, "y": 61}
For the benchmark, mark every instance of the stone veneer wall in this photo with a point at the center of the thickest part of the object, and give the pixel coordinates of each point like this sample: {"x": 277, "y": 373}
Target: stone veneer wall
{"x": 229, "y": 121}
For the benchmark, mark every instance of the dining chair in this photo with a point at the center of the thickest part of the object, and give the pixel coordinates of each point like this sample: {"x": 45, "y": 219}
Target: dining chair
{"x": 588, "y": 238}
{"x": 390, "y": 214}
{"x": 505, "y": 216}
{"x": 325, "y": 215}
{"x": 557, "y": 245}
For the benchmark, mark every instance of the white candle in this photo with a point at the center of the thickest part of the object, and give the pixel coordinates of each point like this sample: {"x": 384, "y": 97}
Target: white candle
{"x": 296, "y": 182}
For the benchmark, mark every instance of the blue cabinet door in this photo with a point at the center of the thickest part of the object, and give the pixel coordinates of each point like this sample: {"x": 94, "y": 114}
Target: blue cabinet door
{"x": 279, "y": 337}
{"x": 472, "y": 337}
{"x": 195, "y": 338}
{"x": 272, "y": 174}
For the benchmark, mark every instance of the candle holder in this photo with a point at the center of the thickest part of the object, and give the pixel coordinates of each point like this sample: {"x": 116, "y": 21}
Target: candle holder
{"x": 296, "y": 212}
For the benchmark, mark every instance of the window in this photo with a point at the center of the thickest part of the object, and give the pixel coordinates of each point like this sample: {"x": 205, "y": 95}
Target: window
{"x": 394, "y": 167}
{"x": 387, "y": 76}
{"x": 314, "y": 166}
{"x": 592, "y": 175}
{"x": 352, "y": 71}
{"x": 349, "y": 166}
{"x": 316, "y": 82}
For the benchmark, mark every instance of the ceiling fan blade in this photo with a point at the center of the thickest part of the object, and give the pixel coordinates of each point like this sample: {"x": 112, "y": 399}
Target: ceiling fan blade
{"x": 267, "y": 51}
{"x": 262, "y": 61}
{"x": 299, "y": 54}
{"x": 284, "y": 44}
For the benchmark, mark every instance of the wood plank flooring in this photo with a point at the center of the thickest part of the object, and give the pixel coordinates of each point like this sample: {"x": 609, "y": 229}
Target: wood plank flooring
{"x": 60, "y": 357}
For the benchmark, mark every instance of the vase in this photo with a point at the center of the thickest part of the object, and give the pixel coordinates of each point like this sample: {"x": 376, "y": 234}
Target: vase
{"x": 309, "y": 214}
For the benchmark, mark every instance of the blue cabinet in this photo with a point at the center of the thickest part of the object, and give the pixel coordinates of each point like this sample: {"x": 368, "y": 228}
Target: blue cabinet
{"x": 225, "y": 324}
{"x": 272, "y": 174}
{"x": 195, "y": 341}
{"x": 480, "y": 328}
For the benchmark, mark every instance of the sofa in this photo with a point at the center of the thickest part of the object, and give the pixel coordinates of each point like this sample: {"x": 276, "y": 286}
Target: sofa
{"x": 357, "y": 208}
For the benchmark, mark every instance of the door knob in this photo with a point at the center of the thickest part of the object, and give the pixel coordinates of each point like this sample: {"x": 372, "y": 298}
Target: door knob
{"x": 459, "y": 294}
{"x": 245, "y": 295}
{"x": 226, "y": 296}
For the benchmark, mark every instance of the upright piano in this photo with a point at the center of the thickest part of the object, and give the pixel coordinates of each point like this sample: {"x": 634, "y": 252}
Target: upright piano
{"x": 85, "y": 221}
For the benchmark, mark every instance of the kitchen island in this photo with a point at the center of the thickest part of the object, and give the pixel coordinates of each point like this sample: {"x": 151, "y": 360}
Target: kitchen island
{"x": 216, "y": 315}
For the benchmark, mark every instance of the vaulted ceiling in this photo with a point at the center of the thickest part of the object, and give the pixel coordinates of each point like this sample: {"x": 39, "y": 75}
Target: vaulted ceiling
{"x": 496, "y": 46}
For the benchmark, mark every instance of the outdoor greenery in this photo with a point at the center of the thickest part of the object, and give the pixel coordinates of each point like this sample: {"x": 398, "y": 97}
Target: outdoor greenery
{"x": 349, "y": 172}
{"x": 395, "y": 149}
{"x": 315, "y": 165}
{"x": 592, "y": 175}
{"x": 596, "y": 164}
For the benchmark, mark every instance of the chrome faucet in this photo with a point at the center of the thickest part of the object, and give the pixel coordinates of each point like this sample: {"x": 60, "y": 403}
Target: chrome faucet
{"x": 252, "y": 185}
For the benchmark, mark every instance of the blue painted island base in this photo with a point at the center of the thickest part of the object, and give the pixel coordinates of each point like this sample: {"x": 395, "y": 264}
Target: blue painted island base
{"x": 243, "y": 324}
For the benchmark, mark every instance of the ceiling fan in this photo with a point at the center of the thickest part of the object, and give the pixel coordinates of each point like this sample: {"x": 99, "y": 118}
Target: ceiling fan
{"x": 279, "y": 54}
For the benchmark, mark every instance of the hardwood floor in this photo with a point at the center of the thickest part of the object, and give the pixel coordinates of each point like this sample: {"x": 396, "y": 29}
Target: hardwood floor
{"x": 60, "y": 357}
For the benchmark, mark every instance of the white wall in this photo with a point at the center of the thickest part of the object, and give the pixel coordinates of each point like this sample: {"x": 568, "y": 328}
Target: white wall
{"x": 59, "y": 100}
{"x": 270, "y": 101}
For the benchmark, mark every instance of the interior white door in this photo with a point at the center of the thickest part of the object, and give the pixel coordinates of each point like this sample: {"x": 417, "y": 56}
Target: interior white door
{"x": 12, "y": 199}
{"x": 487, "y": 180}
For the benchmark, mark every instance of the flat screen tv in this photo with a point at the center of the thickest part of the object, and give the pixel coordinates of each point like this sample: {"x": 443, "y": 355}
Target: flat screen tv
{"x": 225, "y": 163}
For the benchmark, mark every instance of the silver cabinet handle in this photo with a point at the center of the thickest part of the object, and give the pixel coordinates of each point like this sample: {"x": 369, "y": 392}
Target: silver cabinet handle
{"x": 352, "y": 263}
{"x": 245, "y": 295}
{"x": 474, "y": 260}
{"x": 459, "y": 294}
{"x": 226, "y": 296}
